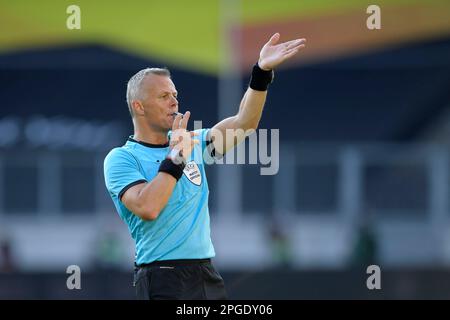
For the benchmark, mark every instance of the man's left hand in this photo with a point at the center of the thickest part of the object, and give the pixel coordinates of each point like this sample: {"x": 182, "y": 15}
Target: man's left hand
{"x": 273, "y": 54}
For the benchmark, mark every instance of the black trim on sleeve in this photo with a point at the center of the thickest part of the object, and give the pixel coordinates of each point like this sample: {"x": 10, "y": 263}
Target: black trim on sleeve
{"x": 211, "y": 150}
{"x": 128, "y": 186}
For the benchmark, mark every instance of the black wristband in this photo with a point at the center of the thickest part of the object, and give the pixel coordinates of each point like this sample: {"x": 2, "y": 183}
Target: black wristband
{"x": 260, "y": 79}
{"x": 175, "y": 170}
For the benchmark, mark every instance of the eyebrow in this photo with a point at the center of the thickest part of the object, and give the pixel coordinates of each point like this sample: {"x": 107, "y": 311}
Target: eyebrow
{"x": 169, "y": 92}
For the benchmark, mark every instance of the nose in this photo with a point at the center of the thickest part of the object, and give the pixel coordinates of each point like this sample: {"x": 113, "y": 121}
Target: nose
{"x": 174, "y": 100}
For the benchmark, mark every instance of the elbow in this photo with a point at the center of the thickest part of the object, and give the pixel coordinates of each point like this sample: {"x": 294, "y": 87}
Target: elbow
{"x": 148, "y": 210}
{"x": 149, "y": 213}
{"x": 252, "y": 126}
{"x": 248, "y": 124}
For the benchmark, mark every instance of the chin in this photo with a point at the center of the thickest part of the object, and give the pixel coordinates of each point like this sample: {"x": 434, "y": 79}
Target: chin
{"x": 168, "y": 125}
{"x": 167, "y": 128}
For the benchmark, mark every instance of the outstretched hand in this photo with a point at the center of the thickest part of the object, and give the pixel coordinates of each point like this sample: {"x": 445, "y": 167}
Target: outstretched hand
{"x": 274, "y": 53}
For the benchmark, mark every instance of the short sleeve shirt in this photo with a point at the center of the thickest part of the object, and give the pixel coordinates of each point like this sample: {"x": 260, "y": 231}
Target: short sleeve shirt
{"x": 182, "y": 229}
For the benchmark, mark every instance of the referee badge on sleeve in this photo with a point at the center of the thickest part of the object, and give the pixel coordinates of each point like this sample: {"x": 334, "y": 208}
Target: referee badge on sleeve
{"x": 193, "y": 173}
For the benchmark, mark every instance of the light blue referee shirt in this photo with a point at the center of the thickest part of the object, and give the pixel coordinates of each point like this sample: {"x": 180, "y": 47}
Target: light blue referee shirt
{"x": 182, "y": 229}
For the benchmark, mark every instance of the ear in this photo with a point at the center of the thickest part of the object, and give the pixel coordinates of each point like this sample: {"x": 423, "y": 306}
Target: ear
{"x": 138, "y": 107}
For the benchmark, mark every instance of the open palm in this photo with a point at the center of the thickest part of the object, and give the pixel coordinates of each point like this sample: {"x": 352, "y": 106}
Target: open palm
{"x": 274, "y": 53}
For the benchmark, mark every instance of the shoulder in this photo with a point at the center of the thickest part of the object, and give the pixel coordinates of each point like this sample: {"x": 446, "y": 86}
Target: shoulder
{"x": 118, "y": 155}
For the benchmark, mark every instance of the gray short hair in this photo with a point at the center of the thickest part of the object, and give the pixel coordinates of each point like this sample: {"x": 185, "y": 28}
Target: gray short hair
{"x": 134, "y": 84}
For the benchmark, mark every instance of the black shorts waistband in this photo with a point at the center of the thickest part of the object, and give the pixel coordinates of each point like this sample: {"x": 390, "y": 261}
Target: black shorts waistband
{"x": 178, "y": 262}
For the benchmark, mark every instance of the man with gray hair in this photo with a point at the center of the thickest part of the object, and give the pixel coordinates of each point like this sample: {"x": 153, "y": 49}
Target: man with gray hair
{"x": 134, "y": 90}
{"x": 158, "y": 184}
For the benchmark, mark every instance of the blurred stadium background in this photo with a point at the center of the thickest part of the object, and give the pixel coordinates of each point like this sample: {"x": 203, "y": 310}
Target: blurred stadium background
{"x": 364, "y": 119}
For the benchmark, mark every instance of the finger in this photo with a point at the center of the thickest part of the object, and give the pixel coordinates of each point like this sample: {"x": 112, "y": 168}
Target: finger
{"x": 297, "y": 47}
{"x": 194, "y": 142}
{"x": 193, "y": 133}
{"x": 274, "y": 39}
{"x": 294, "y": 43}
{"x": 293, "y": 52}
{"x": 183, "y": 124}
{"x": 176, "y": 122}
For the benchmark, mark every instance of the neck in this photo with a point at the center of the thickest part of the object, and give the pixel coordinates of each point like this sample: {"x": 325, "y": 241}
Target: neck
{"x": 150, "y": 136}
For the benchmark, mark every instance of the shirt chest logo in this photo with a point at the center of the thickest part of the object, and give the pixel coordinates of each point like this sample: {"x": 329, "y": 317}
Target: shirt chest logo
{"x": 192, "y": 172}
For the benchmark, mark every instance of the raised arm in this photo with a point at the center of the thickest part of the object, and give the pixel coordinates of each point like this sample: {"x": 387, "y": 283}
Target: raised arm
{"x": 250, "y": 110}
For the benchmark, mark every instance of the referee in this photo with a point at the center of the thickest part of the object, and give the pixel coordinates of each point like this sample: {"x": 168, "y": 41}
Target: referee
{"x": 158, "y": 184}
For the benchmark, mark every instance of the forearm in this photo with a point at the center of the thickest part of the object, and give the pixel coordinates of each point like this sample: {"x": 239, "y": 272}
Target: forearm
{"x": 247, "y": 118}
{"x": 252, "y": 104}
{"x": 250, "y": 109}
{"x": 153, "y": 197}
